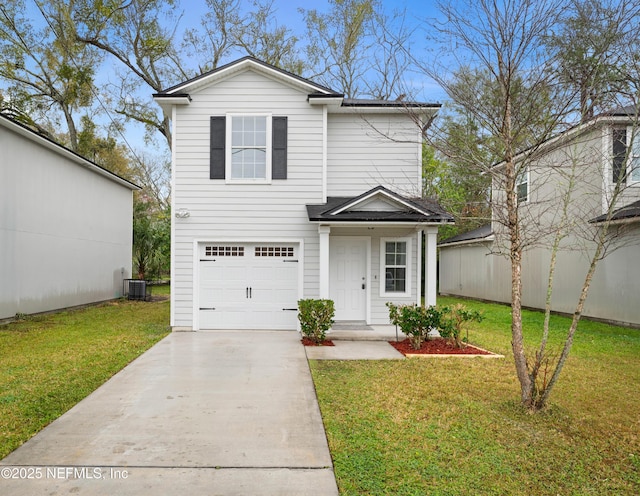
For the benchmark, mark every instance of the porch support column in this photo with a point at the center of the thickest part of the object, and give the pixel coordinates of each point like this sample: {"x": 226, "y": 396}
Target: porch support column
{"x": 419, "y": 269}
{"x": 430, "y": 277}
{"x": 323, "y": 234}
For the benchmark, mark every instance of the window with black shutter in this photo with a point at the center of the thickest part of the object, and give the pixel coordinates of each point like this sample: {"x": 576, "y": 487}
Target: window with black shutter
{"x": 238, "y": 148}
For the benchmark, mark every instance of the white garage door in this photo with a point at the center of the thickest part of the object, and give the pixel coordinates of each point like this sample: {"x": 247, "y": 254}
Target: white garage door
{"x": 248, "y": 286}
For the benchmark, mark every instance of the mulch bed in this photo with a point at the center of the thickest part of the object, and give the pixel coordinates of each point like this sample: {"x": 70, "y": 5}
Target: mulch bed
{"x": 310, "y": 342}
{"x": 436, "y": 346}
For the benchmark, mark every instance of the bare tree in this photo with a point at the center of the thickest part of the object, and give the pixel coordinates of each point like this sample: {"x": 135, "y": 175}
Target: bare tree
{"x": 154, "y": 172}
{"x": 228, "y": 29}
{"x": 139, "y": 34}
{"x": 216, "y": 36}
{"x": 590, "y": 52}
{"x": 358, "y": 49}
{"x": 503, "y": 78}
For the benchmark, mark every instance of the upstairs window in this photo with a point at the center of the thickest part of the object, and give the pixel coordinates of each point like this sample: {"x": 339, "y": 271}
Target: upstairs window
{"x": 634, "y": 160}
{"x": 626, "y": 156}
{"x": 522, "y": 186}
{"x": 248, "y": 148}
{"x": 619, "y": 154}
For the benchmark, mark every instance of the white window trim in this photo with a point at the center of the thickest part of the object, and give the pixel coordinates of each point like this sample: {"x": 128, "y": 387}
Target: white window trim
{"x": 523, "y": 175}
{"x": 408, "y": 277}
{"x": 228, "y": 149}
{"x": 633, "y": 155}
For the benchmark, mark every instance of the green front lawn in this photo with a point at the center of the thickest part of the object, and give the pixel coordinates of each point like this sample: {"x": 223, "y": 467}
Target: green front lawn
{"x": 419, "y": 426}
{"x": 50, "y": 362}
{"x": 454, "y": 426}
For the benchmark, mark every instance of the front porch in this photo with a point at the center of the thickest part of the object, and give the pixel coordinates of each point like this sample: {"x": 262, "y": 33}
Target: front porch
{"x": 371, "y": 251}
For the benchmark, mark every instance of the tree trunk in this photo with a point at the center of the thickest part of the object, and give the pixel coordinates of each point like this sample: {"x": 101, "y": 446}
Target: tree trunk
{"x": 71, "y": 125}
{"x": 515, "y": 251}
{"x": 577, "y": 315}
{"x": 517, "y": 338}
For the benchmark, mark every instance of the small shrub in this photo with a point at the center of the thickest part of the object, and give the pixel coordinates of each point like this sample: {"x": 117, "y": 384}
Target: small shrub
{"x": 452, "y": 320}
{"x": 316, "y": 318}
{"x": 415, "y": 321}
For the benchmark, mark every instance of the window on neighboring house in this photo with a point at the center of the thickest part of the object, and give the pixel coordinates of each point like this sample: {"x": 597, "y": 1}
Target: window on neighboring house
{"x": 248, "y": 148}
{"x": 634, "y": 160}
{"x": 619, "y": 154}
{"x": 522, "y": 186}
{"x": 626, "y": 155}
{"x": 395, "y": 267}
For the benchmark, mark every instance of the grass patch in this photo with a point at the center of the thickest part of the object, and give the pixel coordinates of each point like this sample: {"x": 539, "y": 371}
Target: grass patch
{"x": 451, "y": 426}
{"x": 50, "y": 362}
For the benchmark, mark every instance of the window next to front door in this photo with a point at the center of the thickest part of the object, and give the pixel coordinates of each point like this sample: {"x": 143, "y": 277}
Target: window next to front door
{"x": 395, "y": 267}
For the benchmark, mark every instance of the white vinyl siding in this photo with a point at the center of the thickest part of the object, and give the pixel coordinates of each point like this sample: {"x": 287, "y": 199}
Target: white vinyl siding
{"x": 259, "y": 211}
{"x": 65, "y": 229}
{"x": 377, "y": 150}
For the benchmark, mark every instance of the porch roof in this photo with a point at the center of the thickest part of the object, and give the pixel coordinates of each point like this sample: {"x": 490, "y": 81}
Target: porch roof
{"x": 397, "y": 208}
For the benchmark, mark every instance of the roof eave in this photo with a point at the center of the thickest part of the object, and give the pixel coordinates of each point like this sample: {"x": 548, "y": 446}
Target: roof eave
{"x": 166, "y": 101}
{"x": 65, "y": 152}
{"x": 474, "y": 241}
{"x": 390, "y": 107}
{"x": 374, "y": 223}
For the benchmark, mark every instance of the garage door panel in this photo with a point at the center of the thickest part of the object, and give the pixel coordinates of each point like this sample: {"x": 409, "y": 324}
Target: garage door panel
{"x": 251, "y": 289}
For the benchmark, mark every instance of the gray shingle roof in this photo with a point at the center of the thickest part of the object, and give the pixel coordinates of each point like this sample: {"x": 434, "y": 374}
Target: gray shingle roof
{"x": 417, "y": 210}
{"x": 631, "y": 211}
{"x": 473, "y": 235}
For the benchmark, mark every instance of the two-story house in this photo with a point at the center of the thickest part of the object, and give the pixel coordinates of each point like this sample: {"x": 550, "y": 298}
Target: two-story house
{"x": 283, "y": 189}
{"x": 588, "y": 161}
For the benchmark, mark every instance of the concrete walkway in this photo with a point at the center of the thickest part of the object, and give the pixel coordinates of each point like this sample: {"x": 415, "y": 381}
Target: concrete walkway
{"x": 370, "y": 344}
{"x": 200, "y": 413}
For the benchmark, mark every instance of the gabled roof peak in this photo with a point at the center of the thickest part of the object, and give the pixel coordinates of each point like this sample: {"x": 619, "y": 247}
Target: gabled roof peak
{"x": 245, "y": 63}
{"x": 317, "y": 93}
{"x": 361, "y": 209}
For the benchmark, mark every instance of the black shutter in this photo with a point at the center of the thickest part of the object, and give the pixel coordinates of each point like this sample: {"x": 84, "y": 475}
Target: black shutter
{"x": 279, "y": 148}
{"x": 217, "y": 153}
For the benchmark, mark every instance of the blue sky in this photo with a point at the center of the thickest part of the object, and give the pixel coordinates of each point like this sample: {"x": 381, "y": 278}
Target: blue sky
{"x": 287, "y": 14}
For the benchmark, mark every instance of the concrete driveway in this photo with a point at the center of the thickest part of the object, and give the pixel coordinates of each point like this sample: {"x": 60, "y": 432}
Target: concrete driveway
{"x": 200, "y": 413}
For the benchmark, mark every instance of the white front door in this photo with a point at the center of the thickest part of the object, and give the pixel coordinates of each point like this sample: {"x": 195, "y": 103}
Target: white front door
{"x": 248, "y": 286}
{"x": 348, "y": 277}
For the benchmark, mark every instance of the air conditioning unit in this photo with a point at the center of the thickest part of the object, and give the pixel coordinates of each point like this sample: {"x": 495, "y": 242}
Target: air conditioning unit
{"x": 137, "y": 289}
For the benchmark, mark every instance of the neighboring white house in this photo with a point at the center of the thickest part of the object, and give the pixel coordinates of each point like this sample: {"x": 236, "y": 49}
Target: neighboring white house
{"x": 596, "y": 154}
{"x": 284, "y": 189}
{"x": 65, "y": 226}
